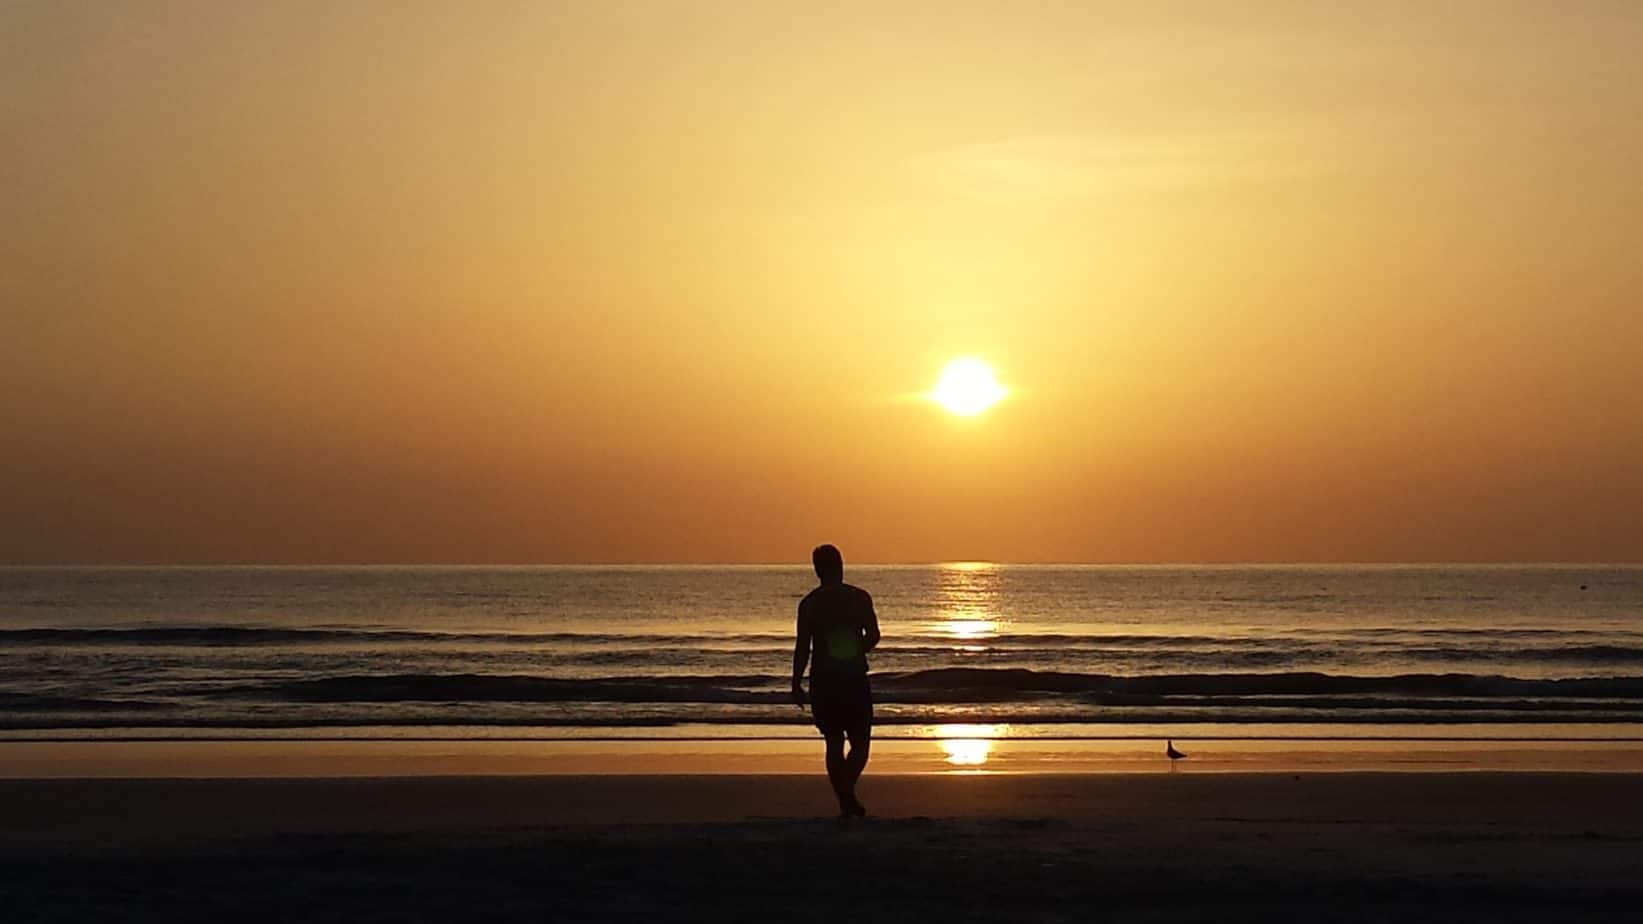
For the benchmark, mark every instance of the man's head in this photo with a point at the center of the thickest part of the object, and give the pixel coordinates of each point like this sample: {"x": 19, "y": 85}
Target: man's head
{"x": 829, "y": 564}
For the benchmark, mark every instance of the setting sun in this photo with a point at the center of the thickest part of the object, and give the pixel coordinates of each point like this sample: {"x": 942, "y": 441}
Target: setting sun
{"x": 968, "y": 387}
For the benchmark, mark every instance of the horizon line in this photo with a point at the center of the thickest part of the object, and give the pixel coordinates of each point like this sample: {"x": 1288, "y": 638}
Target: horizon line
{"x": 1222, "y": 563}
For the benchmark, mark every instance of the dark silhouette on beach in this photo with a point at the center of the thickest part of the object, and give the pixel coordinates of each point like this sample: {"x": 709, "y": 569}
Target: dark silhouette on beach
{"x": 836, "y": 629}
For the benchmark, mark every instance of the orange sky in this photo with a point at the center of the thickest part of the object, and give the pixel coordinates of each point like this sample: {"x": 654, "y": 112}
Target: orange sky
{"x": 659, "y": 281}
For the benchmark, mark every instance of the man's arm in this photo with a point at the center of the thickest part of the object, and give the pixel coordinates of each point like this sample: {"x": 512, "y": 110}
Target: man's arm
{"x": 870, "y": 632}
{"x": 801, "y": 656}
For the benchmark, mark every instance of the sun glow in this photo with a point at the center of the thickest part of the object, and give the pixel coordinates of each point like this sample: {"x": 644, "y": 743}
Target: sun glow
{"x": 967, "y": 387}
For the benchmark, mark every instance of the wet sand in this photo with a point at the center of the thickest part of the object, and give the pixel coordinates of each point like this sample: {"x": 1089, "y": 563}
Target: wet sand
{"x": 1169, "y": 846}
{"x": 958, "y": 750}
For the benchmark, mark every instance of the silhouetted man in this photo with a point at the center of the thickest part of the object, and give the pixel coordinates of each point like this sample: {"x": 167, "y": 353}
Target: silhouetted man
{"x": 837, "y": 622}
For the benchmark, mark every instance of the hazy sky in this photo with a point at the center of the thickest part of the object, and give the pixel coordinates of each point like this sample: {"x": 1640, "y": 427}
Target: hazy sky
{"x": 605, "y": 281}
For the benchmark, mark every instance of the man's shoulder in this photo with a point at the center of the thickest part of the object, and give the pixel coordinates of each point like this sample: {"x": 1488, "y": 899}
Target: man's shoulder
{"x": 834, "y": 592}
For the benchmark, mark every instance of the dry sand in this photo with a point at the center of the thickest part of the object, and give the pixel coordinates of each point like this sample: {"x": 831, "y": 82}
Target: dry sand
{"x": 1340, "y": 846}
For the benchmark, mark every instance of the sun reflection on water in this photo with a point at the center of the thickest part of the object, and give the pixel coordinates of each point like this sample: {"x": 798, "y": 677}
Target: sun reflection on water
{"x": 968, "y": 613}
{"x": 968, "y": 745}
{"x": 970, "y": 628}
{"x": 967, "y": 752}
{"x": 967, "y": 601}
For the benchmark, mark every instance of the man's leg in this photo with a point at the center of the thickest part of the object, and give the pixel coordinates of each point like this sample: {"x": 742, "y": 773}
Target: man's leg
{"x": 861, "y": 741}
{"x": 838, "y": 770}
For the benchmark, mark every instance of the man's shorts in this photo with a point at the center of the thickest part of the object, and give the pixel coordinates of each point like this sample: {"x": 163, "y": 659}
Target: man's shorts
{"x": 841, "y": 704}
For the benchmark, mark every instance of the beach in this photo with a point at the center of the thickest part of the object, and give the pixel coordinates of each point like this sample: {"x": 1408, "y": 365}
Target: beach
{"x": 618, "y": 743}
{"x": 1057, "y": 847}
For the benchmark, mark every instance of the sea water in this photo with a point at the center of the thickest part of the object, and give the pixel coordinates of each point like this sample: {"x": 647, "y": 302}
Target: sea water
{"x": 694, "y": 651}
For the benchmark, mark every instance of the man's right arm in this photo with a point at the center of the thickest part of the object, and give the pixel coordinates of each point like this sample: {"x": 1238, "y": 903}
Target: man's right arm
{"x": 870, "y": 628}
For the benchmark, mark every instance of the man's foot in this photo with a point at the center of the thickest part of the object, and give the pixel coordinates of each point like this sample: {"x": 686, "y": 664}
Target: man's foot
{"x": 850, "y": 808}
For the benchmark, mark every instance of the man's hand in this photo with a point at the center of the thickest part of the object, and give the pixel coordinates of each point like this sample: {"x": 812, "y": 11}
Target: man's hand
{"x": 799, "y": 699}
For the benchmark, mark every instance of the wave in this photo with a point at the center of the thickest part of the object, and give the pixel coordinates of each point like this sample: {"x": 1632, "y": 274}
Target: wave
{"x": 1576, "y": 653}
{"x": 481, "y": 688}
{"x": 186, "y": 635}
{"x": 1292, "y": 683}
{"x": 952, "y": 685}
{"x": 234, "y": 726}
{"x": 263, "y": 635}
{"x": 1408, "y": 644}
{"x": 34, "y": 702}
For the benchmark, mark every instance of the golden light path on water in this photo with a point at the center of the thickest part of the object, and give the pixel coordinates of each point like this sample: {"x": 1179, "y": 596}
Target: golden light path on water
{"x": 966, "y": 601}
{"x": 967, "y": 612}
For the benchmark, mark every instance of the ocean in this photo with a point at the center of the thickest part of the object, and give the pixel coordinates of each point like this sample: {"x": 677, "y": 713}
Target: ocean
{"x": 705, "y": 651}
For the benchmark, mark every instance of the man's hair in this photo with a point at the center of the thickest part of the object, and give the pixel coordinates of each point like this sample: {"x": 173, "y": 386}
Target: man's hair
{"x": 829, "y": 563}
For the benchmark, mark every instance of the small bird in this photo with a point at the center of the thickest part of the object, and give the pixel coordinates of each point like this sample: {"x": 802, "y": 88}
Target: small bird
{"x": 1172, "y": 753}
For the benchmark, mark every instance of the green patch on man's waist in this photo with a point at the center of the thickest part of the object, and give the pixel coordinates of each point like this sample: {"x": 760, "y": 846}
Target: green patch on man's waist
{"x": 844, "y": 644}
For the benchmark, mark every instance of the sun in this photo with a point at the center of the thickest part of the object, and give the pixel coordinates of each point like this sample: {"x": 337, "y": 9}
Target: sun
{"x": 967, "y": 387}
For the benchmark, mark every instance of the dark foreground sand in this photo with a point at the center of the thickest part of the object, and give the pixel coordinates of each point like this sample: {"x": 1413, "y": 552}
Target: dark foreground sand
{"x": 1156, "y": 847}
